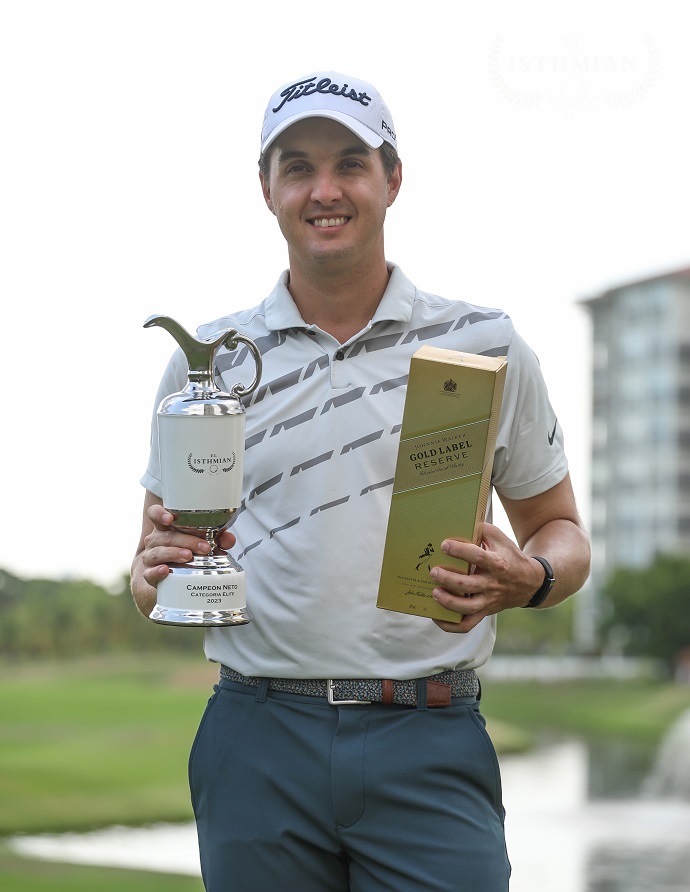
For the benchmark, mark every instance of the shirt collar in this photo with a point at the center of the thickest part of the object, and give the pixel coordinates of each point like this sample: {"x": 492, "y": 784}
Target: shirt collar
{"x": 395, "y": 305}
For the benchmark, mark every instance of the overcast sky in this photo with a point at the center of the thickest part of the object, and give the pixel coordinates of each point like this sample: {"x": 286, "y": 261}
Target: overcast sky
{"x": 545, "y": 153}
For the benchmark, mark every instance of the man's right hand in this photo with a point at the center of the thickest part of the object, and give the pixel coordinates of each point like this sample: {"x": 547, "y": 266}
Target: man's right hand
{"x": 161, "y": 544}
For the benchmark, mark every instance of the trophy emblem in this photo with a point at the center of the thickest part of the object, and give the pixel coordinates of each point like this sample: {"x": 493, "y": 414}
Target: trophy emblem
{"x": 201, "y": 445}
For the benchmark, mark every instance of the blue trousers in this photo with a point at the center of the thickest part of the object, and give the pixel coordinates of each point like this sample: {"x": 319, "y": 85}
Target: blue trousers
{"x": 292, "y": 794}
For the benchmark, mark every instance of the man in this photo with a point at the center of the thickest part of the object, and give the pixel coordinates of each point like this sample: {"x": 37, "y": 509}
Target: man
{"x": 386, "y": 779}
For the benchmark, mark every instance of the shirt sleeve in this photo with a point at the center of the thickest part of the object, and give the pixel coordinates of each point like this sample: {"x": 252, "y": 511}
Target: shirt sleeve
{"x": 529, "y": 457}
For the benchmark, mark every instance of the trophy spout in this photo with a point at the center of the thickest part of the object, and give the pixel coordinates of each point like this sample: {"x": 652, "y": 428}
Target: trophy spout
{"x": 199, "y": 354}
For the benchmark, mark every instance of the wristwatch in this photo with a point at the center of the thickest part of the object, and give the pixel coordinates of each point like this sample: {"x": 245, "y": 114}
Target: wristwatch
{"x": 541, "y": 595}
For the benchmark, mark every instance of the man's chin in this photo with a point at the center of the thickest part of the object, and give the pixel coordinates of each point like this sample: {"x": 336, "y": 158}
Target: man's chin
{"x": 332, "y": 255}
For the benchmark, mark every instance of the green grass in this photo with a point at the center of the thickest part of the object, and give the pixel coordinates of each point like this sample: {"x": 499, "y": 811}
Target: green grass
{"x": 639, "y": 710}
{"x": 100, "y": 742}
{"x": 23, "y": 875}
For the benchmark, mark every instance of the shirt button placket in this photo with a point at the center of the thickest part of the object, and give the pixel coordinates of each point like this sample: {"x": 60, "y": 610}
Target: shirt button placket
{"x": 339, "y": 376}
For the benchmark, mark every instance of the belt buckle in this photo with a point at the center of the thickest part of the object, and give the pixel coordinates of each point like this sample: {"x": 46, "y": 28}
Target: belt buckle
{"x": 330, "y": 684}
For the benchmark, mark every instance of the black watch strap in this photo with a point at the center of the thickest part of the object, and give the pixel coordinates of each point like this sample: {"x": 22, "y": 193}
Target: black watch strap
{"x": 541, "y": 595}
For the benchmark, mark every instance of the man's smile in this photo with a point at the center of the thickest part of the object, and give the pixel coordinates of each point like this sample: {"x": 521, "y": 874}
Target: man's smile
{"x": 324, "y": 222}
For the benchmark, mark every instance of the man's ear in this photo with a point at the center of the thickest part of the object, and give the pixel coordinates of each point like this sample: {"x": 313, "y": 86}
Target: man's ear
{"x": 394, "y": 183}
{"x": 266, "y": 190}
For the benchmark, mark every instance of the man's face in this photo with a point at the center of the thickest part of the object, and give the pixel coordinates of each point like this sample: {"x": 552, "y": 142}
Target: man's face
{"x": 330, "y": 194}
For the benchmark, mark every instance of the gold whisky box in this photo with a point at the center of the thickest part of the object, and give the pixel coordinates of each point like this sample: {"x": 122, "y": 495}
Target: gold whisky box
{"x": 443, "y": 472}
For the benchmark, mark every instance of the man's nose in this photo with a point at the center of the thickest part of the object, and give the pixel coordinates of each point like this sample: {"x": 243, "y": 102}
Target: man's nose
{"x": 326, "y": 189}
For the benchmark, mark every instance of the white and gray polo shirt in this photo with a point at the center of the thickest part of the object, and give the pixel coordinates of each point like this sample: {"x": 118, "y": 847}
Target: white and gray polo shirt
{"x": 321, "y": 445}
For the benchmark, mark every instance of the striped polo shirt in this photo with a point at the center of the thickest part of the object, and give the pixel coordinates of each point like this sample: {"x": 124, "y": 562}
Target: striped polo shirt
{"x": 322, "y": 432}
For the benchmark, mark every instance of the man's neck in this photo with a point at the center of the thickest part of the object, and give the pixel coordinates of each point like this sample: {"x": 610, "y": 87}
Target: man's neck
{"x": 341, "y": 304}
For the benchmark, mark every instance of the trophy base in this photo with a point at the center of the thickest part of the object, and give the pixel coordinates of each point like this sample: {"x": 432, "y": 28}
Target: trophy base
{"x": 205, "y": 592}
{"x": 173, "y": 616}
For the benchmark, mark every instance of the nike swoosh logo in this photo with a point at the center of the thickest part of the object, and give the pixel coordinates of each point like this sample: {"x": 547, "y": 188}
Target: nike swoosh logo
{"x": 553, "y": 433}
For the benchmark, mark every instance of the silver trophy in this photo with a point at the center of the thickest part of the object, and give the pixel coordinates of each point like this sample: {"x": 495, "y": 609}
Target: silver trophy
{"x": 201, "y": 445}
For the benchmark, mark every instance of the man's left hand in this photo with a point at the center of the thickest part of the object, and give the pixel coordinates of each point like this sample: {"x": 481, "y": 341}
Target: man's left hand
{"x": 503, "y": 577}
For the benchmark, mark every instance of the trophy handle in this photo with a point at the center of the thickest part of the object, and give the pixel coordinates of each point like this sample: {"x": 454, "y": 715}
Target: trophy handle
{"x": 231, "y": 342}
{"x": 200, "y": 354}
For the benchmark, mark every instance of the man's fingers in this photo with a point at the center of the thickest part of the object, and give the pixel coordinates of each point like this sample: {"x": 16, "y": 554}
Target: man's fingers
{"x": 159, "y": 516}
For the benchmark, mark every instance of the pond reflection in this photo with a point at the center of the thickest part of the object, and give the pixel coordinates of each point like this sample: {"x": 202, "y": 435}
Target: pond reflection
{"x": 646, "y": 869}
{"x": 574, "y": 824}
{"x": 561, "y": 838}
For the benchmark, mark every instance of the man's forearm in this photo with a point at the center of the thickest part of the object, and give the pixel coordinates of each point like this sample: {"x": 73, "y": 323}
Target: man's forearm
{"x": 567, "y": 548}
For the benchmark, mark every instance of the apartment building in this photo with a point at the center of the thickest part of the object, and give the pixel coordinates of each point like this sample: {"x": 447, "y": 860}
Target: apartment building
{"x": 640, "y": 422}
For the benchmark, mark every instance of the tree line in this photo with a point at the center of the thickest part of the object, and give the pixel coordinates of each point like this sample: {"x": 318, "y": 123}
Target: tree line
{"x": 646, "y": 611}
{"x": 47, "y": 618}
{"x": 643, "y": 612}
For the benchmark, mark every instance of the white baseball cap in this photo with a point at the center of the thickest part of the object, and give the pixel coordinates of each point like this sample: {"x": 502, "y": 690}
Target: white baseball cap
{"x": 327, "y": 94}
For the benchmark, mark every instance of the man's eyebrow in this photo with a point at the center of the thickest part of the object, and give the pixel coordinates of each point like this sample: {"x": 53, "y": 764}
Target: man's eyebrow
{"x": 292, "y": 154}
{"x": 359, "y": 149}
{"x": 289, "y": 155}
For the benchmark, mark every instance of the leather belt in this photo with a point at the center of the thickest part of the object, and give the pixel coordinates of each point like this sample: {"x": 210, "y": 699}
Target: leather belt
{"x": 437, "y": 690}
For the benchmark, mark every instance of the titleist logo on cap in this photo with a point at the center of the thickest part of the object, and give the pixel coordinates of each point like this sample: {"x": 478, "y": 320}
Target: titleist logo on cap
{"x": 352, "y": 102}
{"x": 325, "y": 85}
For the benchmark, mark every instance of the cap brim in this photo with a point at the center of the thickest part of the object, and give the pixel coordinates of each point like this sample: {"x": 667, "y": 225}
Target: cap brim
{"x": 368, "y": 136}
